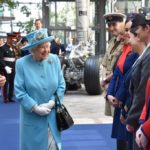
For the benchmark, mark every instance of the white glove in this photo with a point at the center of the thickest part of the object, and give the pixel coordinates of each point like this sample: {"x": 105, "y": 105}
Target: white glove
{"x": 42, "y": 111}
{"x": 49, "y": 105}
{"x": 8, "y": 70}
{"x": 144, "y": 141}
{"x": 138, "y": 135}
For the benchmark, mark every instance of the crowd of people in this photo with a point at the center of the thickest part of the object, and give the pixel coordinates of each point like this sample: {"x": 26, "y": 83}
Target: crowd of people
{"x": 126, "y": 83}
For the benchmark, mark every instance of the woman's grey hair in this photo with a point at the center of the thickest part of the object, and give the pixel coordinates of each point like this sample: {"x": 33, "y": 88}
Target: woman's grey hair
{"x": 32, "y": 50}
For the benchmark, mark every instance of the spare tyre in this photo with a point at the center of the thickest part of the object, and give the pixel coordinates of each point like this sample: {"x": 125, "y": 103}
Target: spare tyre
{"x": 92, "y": 76}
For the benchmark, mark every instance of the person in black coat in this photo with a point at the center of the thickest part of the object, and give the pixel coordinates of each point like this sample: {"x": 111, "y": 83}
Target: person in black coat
{"x": 24, "y": 41}
{"x": 140, "y": 74}
{"x": 56, "y": 47}
{"x": 7, "y": 65}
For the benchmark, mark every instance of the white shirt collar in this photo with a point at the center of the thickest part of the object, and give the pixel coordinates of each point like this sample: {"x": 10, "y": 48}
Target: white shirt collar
{"x": 141, "y": 55}
{"x": 144, "y": 51}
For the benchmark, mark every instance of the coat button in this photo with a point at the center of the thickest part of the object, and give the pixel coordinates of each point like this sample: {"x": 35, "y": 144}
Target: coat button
{"x": 42, "y": 76}
{"x": 44, "y": 89}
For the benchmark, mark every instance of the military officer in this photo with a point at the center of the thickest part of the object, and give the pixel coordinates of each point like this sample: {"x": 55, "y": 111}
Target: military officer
{"x": 7, "y": 65}
{"x": 115, "y": 22}
{"x": 17, "y": 45}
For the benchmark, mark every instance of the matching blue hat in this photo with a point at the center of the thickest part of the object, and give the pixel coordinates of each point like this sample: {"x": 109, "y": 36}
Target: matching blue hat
{"x": 36, "y": 38}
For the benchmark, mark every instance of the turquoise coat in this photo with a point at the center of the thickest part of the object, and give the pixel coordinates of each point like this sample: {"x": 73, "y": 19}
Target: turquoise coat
{"x": 35, "y": 83}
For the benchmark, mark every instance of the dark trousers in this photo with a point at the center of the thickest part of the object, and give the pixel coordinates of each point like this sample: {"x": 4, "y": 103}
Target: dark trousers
{"x": 130, "y": 145}
{"x": 8, "y": 89}
{"x": 122, "y": 145}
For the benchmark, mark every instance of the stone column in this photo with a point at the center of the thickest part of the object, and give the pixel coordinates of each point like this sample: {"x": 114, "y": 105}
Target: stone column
{"x": 82, "y": 23}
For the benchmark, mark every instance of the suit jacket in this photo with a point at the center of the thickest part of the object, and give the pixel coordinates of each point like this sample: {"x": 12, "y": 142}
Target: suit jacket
{"x": 139, "y": 78}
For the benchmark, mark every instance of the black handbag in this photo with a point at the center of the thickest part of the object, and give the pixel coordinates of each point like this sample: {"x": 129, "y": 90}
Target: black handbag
{"x": 63, "y": 118}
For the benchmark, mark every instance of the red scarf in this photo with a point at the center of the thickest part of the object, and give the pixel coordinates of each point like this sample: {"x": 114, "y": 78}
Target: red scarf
{"x": 145, "y": 108}
{"x": 126, "y": 50}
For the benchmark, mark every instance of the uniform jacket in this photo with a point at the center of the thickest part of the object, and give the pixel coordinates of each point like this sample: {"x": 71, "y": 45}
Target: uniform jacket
{"x": 6, "y": 51}
{"x": 117, "y": 89}
{"x": 36, "y": 83}
{"x": 128, "y": 102}
{"x": 111, "y": 55}
{"x": 139, "y": 77}
{"x": 145, "y": 115}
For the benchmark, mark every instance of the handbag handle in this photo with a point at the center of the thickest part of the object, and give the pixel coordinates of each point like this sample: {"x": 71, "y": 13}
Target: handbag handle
{"x": 58, "y": 103}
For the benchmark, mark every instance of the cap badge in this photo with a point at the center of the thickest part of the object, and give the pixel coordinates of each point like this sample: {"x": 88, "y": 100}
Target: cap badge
{"x": 110, "y": 18}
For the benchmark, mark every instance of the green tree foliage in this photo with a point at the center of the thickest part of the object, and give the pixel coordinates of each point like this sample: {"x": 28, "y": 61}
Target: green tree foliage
{"x": 27, "y": 26}
{"x": 25, "y": 10}
{"x": 11, "y": 4}
{"x": 67, "y": 13}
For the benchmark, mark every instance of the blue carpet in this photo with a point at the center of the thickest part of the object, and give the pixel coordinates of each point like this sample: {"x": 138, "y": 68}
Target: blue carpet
{"x": 88, "y": 137}
{"x": 79, "y": 137}
{"x": 9, "y": 126}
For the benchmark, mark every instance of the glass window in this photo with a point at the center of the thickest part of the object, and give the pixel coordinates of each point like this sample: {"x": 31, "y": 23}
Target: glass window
{"x": 62, "y": 13}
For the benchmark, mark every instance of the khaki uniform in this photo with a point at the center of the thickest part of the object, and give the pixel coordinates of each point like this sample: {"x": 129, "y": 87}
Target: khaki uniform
{"x": 18, "y": 51}
{"x": 110, "y": 57}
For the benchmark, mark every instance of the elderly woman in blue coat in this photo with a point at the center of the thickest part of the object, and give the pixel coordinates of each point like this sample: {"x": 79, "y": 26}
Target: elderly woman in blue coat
{"x": 38, "y": 78}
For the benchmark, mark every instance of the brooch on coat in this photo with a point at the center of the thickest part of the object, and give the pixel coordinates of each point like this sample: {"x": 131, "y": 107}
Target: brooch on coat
{"x": 50, "y": 61}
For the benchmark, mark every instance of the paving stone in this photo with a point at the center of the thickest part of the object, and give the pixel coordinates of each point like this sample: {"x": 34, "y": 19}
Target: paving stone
{"x": 86, "y": 109}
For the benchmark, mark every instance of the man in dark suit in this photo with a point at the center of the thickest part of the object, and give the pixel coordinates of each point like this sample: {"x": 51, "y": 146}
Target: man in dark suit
{"x": 140, "y": 73}
{"x": 57, "y": 48}
{"x": 7, "y": 64}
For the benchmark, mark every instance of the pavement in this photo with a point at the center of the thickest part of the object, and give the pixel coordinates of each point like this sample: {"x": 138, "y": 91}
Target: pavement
{"x": 86, "y": 109}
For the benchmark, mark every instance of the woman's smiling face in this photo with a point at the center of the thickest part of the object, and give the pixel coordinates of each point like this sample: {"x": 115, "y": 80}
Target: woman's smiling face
{"x": 41, "y": 52}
